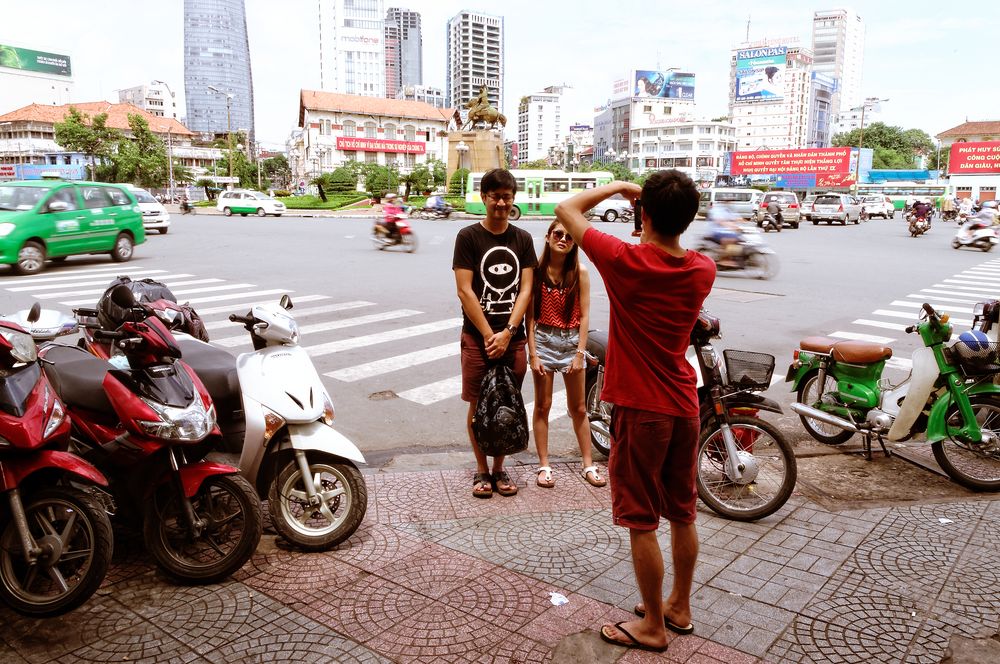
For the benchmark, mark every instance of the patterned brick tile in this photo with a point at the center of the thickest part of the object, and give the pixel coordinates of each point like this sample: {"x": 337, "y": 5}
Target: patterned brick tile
{"x": 130, "y": 557}
{"x": 407, "y": 497}
{"x": 437, "y": 633}
{"x": 285, "y": 576}
{"x": 435, "y": 571}
{"x": 374, "y": 547}
{"x": 143, "y": 643}
{"x": 503, "y": 598}
{"x": 515, "y": 649}
{"x": 149, "y": 595}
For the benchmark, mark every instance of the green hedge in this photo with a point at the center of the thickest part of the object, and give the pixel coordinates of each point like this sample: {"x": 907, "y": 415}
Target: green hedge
{"x": 420, "y": 201}
{"x": 316, "y": 203}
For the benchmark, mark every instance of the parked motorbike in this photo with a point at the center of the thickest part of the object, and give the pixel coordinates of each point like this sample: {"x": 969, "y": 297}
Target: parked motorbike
{"x": 975, "y": 233}
{"x": 949, "y": 397}
{"x": 147, "y": 421}
{"x": 754, "y": 256}
{"x": 273, "y": 409}
{"x": 746, "y": 467}
{"x": 436, "y": 212}
{"x": 56, "y": 539}
{"x": 403, "y": 235}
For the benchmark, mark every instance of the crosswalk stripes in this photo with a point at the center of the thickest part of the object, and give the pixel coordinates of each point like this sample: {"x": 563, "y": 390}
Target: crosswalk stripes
{"x": 230, "y": 342}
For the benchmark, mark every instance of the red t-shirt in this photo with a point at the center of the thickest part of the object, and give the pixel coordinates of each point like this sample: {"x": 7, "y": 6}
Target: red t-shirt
{"x": 655, "y": 300}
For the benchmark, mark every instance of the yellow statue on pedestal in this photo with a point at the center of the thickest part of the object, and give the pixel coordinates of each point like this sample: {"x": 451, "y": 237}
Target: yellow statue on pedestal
{"x": 480, "y": 110}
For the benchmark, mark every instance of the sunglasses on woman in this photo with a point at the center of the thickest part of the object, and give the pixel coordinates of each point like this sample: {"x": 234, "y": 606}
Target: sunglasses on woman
{"x": 562, "y": 235}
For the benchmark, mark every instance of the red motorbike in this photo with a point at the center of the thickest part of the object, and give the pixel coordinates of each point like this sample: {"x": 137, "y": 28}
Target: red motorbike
{"x": 394, "y": 231}
{"x": 56, "y": 540}
{"x": 147, "y": 421}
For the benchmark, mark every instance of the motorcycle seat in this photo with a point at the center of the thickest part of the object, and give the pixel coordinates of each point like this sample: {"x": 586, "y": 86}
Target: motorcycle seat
{"x": 78, "y": 377}
{"x": 860, "y": 352}
{"x": 217, "y": 370}
{"x": 818, "y": 344}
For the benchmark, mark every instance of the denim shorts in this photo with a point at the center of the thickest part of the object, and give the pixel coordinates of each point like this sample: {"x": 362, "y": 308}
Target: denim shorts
{"x": 556, "y": 347}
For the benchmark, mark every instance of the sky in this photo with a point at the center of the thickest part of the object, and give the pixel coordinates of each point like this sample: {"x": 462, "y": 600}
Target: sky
{"x": 935, "y": 62}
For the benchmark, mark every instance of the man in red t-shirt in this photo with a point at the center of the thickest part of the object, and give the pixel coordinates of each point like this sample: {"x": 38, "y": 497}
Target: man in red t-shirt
{"x": 656, "y": 289}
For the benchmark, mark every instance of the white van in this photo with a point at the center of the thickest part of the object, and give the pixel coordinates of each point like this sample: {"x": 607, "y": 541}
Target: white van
{"x": 743, "y": 202}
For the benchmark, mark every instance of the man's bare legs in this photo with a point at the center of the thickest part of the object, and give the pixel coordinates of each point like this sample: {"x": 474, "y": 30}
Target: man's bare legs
{"x": 684, "y": 552}
{"x": 647, "y": 561}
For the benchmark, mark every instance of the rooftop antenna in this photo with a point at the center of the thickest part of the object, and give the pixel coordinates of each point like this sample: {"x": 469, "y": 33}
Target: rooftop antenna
{"x": 748, "y": 28}
{"x": 657, "y": 59}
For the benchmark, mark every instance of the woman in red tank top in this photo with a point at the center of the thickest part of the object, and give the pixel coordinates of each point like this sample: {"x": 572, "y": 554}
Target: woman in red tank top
{"x": 557, "y": 340}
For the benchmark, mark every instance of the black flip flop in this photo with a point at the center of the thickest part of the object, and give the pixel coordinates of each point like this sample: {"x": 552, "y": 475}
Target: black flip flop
{"x": 673, "y": 627}
{"x": 635, "y": 643}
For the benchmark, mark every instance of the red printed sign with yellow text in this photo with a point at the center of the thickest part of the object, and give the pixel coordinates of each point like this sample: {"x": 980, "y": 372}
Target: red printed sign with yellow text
{"x": 380, "y": 145}
{"x": 974, "y": 158}
{"x": 817, "y": 160}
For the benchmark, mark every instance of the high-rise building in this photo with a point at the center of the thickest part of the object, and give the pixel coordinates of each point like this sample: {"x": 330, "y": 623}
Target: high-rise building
{"x": 218, "y": 82}
{"x": 157, "y": 98}
{"x": 425, "y": 93}
{"x": 539, "y": 119}
{"x": 821, "y": 118}
{"x": 474, "y": 59}
{"x": 770, "y": 92}
{"x": 352, "y": 47}
{"x": 404, "y": 65}
{"x": 838, "y": 44}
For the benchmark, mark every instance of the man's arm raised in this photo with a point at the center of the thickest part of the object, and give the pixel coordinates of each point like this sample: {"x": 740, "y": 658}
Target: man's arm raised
{"x": 570, "y": 213}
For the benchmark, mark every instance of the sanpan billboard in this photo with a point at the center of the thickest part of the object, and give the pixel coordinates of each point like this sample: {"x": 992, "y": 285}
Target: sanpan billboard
{"x": 760, "y": 73}
{"x": 668, "y": 84}
{"x": 25, "y": 59}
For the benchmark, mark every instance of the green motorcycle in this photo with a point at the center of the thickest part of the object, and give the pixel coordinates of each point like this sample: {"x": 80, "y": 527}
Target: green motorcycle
{"x": 949, "y": 397}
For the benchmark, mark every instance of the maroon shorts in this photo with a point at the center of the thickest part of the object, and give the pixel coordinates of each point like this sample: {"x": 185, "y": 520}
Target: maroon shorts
{"x": 652, "y": 468}
{"x": 474, "y": 364}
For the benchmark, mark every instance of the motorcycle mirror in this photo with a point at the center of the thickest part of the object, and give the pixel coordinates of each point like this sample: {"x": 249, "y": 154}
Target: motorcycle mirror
{"x": 34, "y": 312}
{"x": 122, "y": 296}
{"x": 286, "y": 302}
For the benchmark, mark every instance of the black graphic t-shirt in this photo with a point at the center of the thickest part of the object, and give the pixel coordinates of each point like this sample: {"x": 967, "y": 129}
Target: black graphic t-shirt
{"x": 496, "y": 262}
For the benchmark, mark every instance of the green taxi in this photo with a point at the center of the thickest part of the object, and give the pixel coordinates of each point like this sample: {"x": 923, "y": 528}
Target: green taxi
{"x": 53, "y": 219}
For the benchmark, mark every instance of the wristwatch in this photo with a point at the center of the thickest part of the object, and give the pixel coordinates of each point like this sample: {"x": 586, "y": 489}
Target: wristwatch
{"x": 512, "y": 329}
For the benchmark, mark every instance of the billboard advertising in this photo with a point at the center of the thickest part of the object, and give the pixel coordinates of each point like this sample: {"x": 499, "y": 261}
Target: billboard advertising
{"x": 760, "y": 73}
{"x": 813, "y": 160}
{"x": 981, "y": 158}
{"x": 24, "y": 59}
{"x": 668, "y": 84}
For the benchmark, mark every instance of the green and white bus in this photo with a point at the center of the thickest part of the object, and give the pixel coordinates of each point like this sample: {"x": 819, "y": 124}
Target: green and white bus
{"x": 538, "y": 192}
{"x": 898, "y": 192}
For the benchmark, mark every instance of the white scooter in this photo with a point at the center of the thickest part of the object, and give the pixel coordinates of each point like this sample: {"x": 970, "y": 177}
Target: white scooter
{"x": 290, "y": 451}
{"x": 975, "y": 233}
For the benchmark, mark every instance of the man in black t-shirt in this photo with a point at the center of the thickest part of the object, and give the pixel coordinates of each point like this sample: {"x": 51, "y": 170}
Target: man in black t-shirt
{"x": 494, "y": 263}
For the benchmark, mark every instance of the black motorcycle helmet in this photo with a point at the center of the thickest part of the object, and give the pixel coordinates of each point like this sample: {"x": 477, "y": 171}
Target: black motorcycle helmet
{"x": 705, "y": 328}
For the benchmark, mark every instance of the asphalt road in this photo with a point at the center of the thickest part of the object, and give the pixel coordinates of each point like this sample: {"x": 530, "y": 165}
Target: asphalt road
{"x": 388, "y": 321}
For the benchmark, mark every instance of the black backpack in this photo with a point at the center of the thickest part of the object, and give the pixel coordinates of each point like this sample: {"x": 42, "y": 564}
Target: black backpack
{"x": 111, "y": 316}
{"x": 500, "y": 422}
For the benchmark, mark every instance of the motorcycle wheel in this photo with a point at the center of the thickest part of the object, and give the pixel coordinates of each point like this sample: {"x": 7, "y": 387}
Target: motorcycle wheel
{"x": 809, "y": 394}
{"x": 975, "y": 467}
{"x": 770, "y": 463}
{"x": 344, "y": 494}
{"x": 378, "y": 241}
{"x": 66, "y": 520}
{"x": 229, "y": 505}
{"x": 955, "y": 244}
{"x": 984, "y": 245}
{"x": 762, "y": 266}
{"x": 410, "y": 242}
{"x": 600, "y": 417}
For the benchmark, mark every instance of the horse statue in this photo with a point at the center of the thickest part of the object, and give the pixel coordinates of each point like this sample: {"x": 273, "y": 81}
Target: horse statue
{"x": 480, "y": 110}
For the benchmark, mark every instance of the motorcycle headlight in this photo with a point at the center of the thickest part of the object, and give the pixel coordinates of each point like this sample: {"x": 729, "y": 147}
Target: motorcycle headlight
{"x": 23, "y": 346}
{"x": 191, "y": 424}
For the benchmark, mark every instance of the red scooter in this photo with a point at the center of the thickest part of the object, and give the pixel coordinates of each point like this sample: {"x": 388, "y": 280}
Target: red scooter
{"x": 393, "y": 231}
{"x": 55, "y": 541}
{"x": 145, "y": 418}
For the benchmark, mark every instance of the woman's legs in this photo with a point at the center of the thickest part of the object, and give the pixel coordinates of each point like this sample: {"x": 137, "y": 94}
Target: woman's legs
{"x": 540, "y": 416}
{"x": 576, "y": 403}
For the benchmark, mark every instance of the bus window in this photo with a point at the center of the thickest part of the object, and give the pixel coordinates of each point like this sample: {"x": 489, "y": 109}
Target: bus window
{"x": 476, "y": 181}
{"x": 579, "y": 184}
{"x": 520, "y": 183}
{"x": 557, "y": 185}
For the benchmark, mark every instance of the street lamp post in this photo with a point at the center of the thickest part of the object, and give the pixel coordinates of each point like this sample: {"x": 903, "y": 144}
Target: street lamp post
{"x": 461, "y": 149}
{"x": 871, "y": 101}
{"x": 229, "y": 127}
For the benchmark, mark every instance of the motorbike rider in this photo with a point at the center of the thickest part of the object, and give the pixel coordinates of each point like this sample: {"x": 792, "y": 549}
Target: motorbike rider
{"x": 436, "y": 203}
{"x": 922, "y": 210}
{"x": 391, "y": 212}
{"x": 774, "y": 210}
{"x": 185, "y": 205}
{"x": 722, "y": 227}
{"x": 965, "y": 207}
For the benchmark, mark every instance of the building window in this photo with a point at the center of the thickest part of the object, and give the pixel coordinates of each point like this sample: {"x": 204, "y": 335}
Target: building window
{"x": 371, "y": 157}
{"x": 350, "y": 128}
{"x": 350, "y": 155}
{"x": 370, "y": 130}
{"x": 411, "y": 159}
{"x": 409, "y": 133}
{"x": 390, "y": 132}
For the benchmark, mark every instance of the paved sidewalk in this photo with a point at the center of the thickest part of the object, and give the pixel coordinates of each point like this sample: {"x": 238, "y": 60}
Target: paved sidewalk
{"x": 435, "y": 575}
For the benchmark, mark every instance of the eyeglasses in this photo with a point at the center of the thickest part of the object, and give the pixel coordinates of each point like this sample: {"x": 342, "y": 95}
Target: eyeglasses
{"x": 562, "y": 235}
{"x": 496, "y": 198}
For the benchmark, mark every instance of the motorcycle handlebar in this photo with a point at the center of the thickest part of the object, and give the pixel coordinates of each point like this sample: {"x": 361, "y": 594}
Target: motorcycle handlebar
{"x": 105, "y": 335}
{"x": 910, "y": 329}
{"x": 246, "y": 320}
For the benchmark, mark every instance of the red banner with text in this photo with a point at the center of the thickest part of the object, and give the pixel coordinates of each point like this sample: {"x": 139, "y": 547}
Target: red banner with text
{"x": 817, "y": 160}
{"x": 981, "y": 158}
{"x": 380, "y": 145}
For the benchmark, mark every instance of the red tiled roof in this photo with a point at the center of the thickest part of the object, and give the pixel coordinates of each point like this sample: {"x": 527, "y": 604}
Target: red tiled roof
{"x": 972, "y": 129}
{"x": 331, "y": 101}
{"x": 117, "y": 116}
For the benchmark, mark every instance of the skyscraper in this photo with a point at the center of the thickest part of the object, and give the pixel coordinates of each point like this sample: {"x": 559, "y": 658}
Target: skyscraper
{"x": 217, "y": 54}
{"x": 838, "y": 44}
{"x": 352, "y": 47}
{"x": 409, "y": 50}
{"x": 475, "y": 58}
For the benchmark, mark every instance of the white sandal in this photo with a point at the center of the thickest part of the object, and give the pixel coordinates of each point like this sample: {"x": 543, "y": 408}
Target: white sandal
{"x": 548, "y": 483}
{"x": 597, "y": 481}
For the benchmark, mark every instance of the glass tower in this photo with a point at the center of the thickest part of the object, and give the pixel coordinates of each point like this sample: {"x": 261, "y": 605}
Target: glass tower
{"x": 217, "y": 54}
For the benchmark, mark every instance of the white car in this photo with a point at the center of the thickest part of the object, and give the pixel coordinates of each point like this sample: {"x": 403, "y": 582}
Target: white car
{"x": 878, "y": 206}
{"x": 154, "y": 216}
{"x": 247, "y": 201}
{"x": 611, "y": 209}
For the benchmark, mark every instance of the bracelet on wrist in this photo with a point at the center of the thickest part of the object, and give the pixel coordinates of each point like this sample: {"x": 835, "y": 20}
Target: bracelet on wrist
{"x": 581, "y": 352}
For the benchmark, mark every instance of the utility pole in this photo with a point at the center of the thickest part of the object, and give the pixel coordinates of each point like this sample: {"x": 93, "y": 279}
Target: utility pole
{"x": 229, "y": 128}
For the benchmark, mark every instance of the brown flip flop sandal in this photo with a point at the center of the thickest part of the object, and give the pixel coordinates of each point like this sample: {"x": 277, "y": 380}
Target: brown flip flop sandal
{"x": 478, "y": 490}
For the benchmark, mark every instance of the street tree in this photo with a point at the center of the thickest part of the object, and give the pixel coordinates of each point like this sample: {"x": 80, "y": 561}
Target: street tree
{"x": 419, "y": 178}
{"x": 208, "y": 185}
{"x": 537, "y": 165}
{"x": 893, "y": 147}
{"x": 78, "y": 132}
{"x": 439, "y": 171}
{"x": 141, "y": 158}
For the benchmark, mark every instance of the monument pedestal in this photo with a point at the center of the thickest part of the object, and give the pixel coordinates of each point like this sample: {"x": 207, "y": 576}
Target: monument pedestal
{"x": 485, "y": 150}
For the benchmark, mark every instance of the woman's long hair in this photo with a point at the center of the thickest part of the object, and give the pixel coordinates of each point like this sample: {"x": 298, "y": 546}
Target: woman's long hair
{"x": 570, "y": 276}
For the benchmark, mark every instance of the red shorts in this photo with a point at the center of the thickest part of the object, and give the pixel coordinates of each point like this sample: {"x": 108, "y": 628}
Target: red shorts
{"x": 652, "y": 468}
{"x": 474, "y": 364}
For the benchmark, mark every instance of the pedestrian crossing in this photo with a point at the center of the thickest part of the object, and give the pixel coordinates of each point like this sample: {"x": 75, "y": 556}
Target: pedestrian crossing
{"x": 955, "y": 295}
{"x": 354, "y": 343}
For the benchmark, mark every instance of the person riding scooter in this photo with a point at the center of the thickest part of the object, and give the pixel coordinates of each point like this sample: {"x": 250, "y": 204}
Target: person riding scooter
{"x": 186, "y": 207}
{"x": 922, "y": 210}
{"x": 391, "y": 212}
{"x": 723, "y": 228}
{"x": 774, "y": 211}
